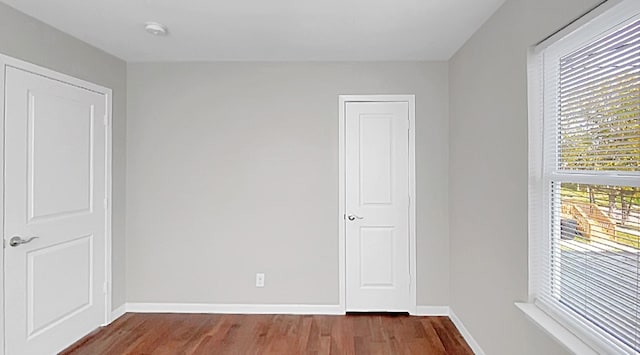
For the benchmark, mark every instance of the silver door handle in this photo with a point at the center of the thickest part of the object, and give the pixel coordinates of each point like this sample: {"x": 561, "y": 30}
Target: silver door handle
{"x": 15, "y": 241}
{"x": 353, "y": 217}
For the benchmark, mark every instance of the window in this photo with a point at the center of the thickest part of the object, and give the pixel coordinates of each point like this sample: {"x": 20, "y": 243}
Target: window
{"x": 585, "y": 180}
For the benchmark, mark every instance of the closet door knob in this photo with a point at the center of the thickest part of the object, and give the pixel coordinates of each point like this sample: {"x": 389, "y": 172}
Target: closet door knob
{"x": 15, "y": 241}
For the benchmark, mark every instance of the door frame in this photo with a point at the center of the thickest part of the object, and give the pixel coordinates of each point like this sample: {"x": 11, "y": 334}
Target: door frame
{"x": 7, "y": 61}
{"x": 343, "y": 100}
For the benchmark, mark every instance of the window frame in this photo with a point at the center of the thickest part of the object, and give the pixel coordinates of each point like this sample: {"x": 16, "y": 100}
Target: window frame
{"x": 605, "y": 18}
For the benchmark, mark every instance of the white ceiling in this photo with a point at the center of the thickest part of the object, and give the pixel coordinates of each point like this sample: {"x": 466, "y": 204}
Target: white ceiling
{"x": 268, "y": 30}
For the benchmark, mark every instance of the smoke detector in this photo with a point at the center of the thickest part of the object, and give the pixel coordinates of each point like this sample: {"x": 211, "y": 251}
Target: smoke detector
{"x": 156, "y": 29}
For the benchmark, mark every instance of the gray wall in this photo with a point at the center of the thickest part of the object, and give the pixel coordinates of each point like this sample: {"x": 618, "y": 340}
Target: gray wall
{"x": 25, "y": 38}
{"x": 488, "y": 172}
{"x": 233, "y": 170}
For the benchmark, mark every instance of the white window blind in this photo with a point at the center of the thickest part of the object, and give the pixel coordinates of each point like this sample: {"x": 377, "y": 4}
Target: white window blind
{"x": 588, "y": 257}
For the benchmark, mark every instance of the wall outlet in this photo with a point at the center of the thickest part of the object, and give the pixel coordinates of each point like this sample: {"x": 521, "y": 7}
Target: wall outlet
{"x": 259, "y": 280}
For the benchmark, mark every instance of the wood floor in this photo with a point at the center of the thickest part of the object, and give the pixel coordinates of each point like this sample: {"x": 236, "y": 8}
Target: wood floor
{"x": 137, "y": 333}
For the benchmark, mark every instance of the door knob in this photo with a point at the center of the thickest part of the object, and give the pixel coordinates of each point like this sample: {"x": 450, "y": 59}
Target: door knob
{"x": 15, "y": 241}
{"x": 353, "y": 217}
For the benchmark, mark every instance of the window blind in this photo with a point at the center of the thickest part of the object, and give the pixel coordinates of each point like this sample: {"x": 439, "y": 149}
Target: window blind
{"x": 590, "y": 257}
{"x": 598, "y": 107}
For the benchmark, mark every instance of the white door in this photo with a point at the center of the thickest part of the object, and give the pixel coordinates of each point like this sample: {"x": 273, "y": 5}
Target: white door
{"x": 54, "y": 191}
{"x": 377, "y": 206}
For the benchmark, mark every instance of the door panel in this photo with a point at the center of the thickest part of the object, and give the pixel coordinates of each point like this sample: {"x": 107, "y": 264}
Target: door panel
{"x": 377, "y": 259}
{"x": 377, "y": 198}
{"x": 60, "y": 142}
{"x": 63, "y": 270}
{"x": 376, "y": 158}
{"x": 55, "y": 164}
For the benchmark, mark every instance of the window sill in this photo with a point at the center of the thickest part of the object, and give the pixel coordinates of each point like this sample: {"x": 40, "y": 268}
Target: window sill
{"x": 555, "y": 329}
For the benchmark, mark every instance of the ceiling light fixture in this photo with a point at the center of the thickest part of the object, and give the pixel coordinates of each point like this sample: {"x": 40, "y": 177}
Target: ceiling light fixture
{"x": 156, "y": 29}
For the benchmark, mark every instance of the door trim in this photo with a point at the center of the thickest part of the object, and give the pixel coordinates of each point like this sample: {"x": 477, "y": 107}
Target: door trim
{"x": 343, "y": 99}
{"x": 6, "y": 61}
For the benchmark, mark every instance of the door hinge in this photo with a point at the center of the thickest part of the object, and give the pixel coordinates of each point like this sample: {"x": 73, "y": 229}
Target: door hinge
{"x": 409, "y": 199}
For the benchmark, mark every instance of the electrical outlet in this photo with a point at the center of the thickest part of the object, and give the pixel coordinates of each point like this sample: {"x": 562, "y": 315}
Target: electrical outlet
{"x": 259, "y": 280}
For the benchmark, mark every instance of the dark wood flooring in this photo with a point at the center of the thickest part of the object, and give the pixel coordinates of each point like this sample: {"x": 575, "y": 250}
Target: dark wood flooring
{"x": 137, "y": 333}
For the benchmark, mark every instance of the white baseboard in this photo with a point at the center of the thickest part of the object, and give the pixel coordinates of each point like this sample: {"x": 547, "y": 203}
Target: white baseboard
{"x": 465, "y": 333}
{"x": 432, "y": 311}
{"x": 253, "y": 309}
{"x": 233, "y": 308}
{"x": 118, "y": 312}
